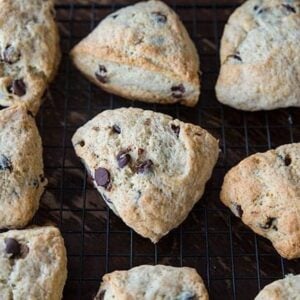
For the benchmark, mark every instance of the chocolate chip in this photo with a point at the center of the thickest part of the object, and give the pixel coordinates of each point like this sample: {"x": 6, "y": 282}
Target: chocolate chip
{"x": 5, "y": 163}
{"x": 18, "y": 87}
{"x": 159, "y": 17}
{"x": 144, "y": 166}
{"x": 36, "y": 183}
{"x": 116, "y": 129}
{"x": 256, "y": 7}
{"x": 10, "y": 55}
{"x": 102, "y": 177}
{"x": 178, "y": 91}
{"x": 269, "y": 224}
{"x": 101, "y": 74}
{"x": 239, "y": 210}
{"x": 123, "y": 158}
{"x": 13, "y": 247}
{"x": 176, "y": 129}
{"x": 81, "y": 143}
{"x": 289, "y": 8}
{"x": 114, "y": 16}
{"x": 263, "y": 10}
{"x": 141, "y": 151}
{"x": 100, "y": 296}
{"x": 287, "y": 160}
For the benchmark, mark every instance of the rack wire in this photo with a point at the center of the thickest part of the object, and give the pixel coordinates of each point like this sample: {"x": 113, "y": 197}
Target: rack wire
{"x": 233, "y": 261}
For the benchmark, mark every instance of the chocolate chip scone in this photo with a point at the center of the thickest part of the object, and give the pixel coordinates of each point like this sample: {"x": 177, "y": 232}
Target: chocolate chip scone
{"x": 153, "y": 282}
{"x": 142, "y": 52}
{"x": 21, "y": 167}
{"x": 284, "y": 289}
{"x": 33, "y": 264}
{"x": 260, "y": 56}
{"x": 149, "y": 168}
{"x": 264, "y": 191}
{"x": 29, "y": 51}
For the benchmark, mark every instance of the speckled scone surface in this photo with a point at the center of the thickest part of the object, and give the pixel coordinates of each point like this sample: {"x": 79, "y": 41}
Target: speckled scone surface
{"x": 21, "y": 167}
{"x": 33, "y": 264}
{"x": 264, "y": 191}
{"x": 153, "y": 283}
{"x": 29, "y": 51}
{"x": 284, "y": 289}
{"x": 150, "y": 169}
{"x": 142, "y": 52}
{"x": 260, "y": 56}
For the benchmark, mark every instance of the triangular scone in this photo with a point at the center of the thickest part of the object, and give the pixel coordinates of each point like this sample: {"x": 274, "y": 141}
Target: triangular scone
{"x": 153, "y": 282}
{"x": 150, "y": 169}
{"x": 33, "y": 264}
{"x": 21, "y": 167}
{"x": 29, "y": 51}
{"x": 142, "y": 52}
{"x": 264, "y": 191}
{"x": 260, "y": 56}
{"x": 287, "y": 288}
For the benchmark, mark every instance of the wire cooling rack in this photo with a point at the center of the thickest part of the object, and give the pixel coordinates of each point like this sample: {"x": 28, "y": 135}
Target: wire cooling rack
{"x": 233, "y": 261}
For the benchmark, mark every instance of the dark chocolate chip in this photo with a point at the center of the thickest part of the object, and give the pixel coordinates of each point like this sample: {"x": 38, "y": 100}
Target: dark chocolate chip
{"x": 10, "y": 55}
{"x": 289, "y": 8}
{"x": 81, "y": 143}
{"x": 269, "y": 224}
{"x": 159, "y": 17}
{"x": 102, "y": 177}
{"x": 13, "y": 247}
{"x": 101, "y": 74}
{"x": 18, "y": 87}
{"x": 116, "y": 129}
{"x": 5, "y": 163}
{"x": 178, "y": 91}
{"x": 176, "y": 129}
{"x": 287, "y": 160}
{"x": 140, "y": 151}
{"x": 256, "y": 7}
{"x": 123, "y": 158}
{"x": 100, "y": 296}
{"x": 239, "y": 210}
{"x": 144, "y": 166}
{"x": 114, "y": 16}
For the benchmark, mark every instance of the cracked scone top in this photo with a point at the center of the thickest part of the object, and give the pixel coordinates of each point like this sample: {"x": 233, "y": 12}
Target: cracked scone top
{"x": 29, "y": 51}
{"x": 33, "y": 264}
{"x": 149, "y": 168}
{"x": 264, "y": 191}
{"x": 21, "y": 167}
{"x": 283, "y": 289}
{"x": 260, "y": 56}
{"x": 148, "y": 282}
{"x": 142, "y": 52}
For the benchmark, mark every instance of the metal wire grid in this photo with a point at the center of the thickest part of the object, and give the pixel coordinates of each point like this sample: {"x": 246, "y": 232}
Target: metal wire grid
{"x": 234, "y": 262}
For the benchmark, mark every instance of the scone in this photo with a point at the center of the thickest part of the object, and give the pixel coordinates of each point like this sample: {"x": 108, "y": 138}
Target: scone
{"x": 264, "y": 191}
{"x": 153, "y": 282}
{"x": 22, "y": 178}
{"x": 29, "y": 51}
{"x": 142, "y": 52}
{"x": 260, "y": 56}
{"x": 33, "y": 264}
{"x": 149, "y": 168}
{"x": 284, "y": 289}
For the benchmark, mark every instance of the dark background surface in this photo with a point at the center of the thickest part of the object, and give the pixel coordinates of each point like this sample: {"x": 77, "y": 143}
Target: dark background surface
{"x": 233, "y": 261}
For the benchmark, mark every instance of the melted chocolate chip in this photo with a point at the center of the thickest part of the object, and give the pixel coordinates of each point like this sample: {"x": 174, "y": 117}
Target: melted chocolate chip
{"x": 239, "y": 210}
{"x": 102, "y": 177}
{"x": 178, "y": 91}
{"x": 116, "y": 129}
{"x": 159, "y": 17}
{"x": 123, "y": 158}
{"x": 5, "y": 163}
{"x": 101, "y": 74}
{"x": 144, "y": 166}
{"x": 269, "y": 224}
{"x": 18, "y": 87}
{"x": 13, "y": 247}
{"x": 289, "y": 8}
{"x": 287, "y": 160}
{"x": 176, "y": 129}
{"x": 10, "y": 55}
